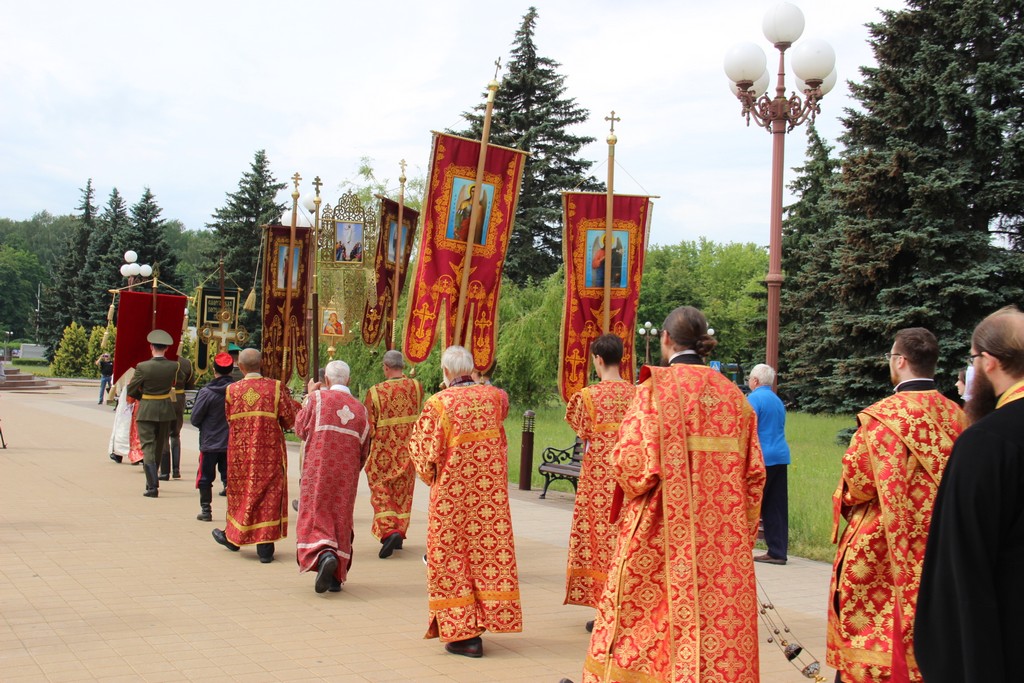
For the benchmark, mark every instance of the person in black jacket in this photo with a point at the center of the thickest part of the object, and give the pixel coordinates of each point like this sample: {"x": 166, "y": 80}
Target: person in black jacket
{"x": 968, "y": 627}
{"x": 208, "y": 415}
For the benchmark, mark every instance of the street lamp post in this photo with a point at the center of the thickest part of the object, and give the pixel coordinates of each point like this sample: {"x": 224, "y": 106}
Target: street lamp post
{"x": 7, "y": 345}
{"x": 134, "y": 271}
{"x": 648, "y": 332}
{"x": 746, "y": 66}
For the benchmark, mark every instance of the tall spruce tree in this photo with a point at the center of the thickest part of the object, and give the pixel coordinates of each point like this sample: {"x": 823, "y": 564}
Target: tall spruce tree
{"x": 532, "y": 113}
{"x": 146, "y": 230}
{"x": 103, "y": 259}
{"x": 67, "y": 299}
{"x": 237, "y": 227}
{"x": 931, "y": 174}
{"x": 808, "y": 241}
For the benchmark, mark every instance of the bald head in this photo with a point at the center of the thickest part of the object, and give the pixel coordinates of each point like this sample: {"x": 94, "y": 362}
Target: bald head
{"x": 249, "y": 360}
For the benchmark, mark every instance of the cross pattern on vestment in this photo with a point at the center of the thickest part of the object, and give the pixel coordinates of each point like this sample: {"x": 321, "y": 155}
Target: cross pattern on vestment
{"x": 251, "y": 396}
{"x": 477, "y": 410}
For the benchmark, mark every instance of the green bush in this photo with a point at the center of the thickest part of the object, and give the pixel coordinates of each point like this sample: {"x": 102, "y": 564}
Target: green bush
{"x": 72, "y": 357}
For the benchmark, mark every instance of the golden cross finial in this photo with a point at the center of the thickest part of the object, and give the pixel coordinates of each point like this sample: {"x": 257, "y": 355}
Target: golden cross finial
{"x": 497, "y": 67}
{"x": 401, "y": 178}
{"x": 317, "y": 184}
{"x": 613, "y": 118}
{"x": 295, "y": 179}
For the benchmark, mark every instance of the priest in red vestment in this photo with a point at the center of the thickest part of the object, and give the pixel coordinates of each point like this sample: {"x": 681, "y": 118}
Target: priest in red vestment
{"x": 459, "y": 448}
{"x": 258, "y": 409}
{"x": 680, "y": 603}
{"x": 594, "y": 413}
{"x": 393, "y": 406}
{"x": 333, "y": 425}
{"x": 891, "y": 475}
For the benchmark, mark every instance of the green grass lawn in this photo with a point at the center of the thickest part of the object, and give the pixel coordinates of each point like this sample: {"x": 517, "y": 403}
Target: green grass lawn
{"x": 33, "y": 369}
{"x": 813, "y": 474}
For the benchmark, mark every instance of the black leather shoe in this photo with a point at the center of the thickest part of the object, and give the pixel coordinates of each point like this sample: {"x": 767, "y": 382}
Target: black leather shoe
{"x": 335, "y": 586}
{"x": 224, "y": 491}
{"x": 295, "y": 504}
{"x": 164, "y": 477}
{"x": 400, "y": 539}
{"x": 590, "y": 626}
{"x": 176, "y": 475}
{"x": 326, "y": 567}
{"x": 265, "y": 551}
{"x": 152, "y": 493}
{"x": 116, "y": 458}
{"x": 565, "y": 680}
{"x": 220, "y": 537}
{"x": 389, "y": 545}
{"x": 473, "y": 647}
{"x": 768, "y": 559}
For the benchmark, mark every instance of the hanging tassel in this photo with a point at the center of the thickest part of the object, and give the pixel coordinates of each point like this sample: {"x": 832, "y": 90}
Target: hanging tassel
{"x": 110, "y": 311}
{"x": 250, "y": 301}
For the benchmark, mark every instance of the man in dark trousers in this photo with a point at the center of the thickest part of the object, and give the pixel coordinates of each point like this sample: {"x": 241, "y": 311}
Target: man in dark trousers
{"x": 153, "y": 386}
{"x": 106, "y": 366}
{"x": 208, "y": 415}
{"x": 170, "y": 459}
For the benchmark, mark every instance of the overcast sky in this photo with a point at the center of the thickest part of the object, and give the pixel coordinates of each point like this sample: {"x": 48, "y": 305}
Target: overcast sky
{"x": 178, "y": 96}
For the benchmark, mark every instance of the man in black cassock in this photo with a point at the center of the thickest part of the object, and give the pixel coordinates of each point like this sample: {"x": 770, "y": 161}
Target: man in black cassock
{"x": 970, "y": 611}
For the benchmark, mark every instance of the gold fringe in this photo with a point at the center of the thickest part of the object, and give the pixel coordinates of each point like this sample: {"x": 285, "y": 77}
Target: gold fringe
{"x": 250, "y": 301}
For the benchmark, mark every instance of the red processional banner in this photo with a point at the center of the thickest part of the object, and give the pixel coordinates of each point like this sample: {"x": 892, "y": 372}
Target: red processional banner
{"x": 282, "y": 357}
{"x": 584, "y": 251}
{"x": 135, "y": 321}
{"x": 377, "y": 321}
{"x": 451, "y": 193}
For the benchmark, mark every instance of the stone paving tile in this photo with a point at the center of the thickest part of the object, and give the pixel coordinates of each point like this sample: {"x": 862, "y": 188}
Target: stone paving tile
{"x": 97, "y": 582}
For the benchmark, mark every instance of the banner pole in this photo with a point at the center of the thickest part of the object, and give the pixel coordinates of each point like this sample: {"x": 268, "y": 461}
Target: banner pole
{"x": 606, "y": 320}
{"x": 313, "y": 262}
{"x": 396, "y": 274}
{"x": 285, "y": 361}
{"x": 474, "y": 216}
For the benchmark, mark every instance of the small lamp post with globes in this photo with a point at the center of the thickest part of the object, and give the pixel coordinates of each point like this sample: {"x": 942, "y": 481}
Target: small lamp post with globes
{"x": 746, "y": 66}
{"x": 134, "y": 271}
{"x": 648, "y": 332}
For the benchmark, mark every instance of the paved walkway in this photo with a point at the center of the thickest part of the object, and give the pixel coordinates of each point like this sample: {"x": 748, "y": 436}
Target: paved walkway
{"x": 99, "y": 583}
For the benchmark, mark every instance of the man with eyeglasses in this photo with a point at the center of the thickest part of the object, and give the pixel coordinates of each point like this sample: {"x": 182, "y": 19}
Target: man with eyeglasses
{"x": 891, "y": 473}
{"x": 969, "y": 625}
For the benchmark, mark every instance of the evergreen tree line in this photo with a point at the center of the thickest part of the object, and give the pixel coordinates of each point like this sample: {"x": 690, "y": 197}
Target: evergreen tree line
{"x": 918, "y": 221}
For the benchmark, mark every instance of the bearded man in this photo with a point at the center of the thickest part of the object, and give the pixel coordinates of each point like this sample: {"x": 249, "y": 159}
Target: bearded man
{"x": 969, "y": 623}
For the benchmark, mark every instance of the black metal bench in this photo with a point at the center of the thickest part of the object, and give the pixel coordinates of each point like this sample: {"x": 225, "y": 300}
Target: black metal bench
{"x": 561, "y": 463}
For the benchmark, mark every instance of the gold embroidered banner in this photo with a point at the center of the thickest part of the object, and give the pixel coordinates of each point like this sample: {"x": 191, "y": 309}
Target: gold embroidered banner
{"x": 281, "y": 357}
{"x": 377, "y": 320}
{"x": 584, "y": 251}
{"x": 451, "y": 193}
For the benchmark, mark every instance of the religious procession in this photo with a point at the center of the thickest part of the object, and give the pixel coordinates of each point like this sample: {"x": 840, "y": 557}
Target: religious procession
{"x": 681, "y": 469}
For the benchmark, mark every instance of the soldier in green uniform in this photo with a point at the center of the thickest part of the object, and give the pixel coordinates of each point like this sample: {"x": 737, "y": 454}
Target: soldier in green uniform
{"x": 153, "y": 386}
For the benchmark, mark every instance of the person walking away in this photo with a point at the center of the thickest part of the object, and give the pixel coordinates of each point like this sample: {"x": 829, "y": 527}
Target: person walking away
{"x": 334, "y": 426}
{"x": 208, "y": 415}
